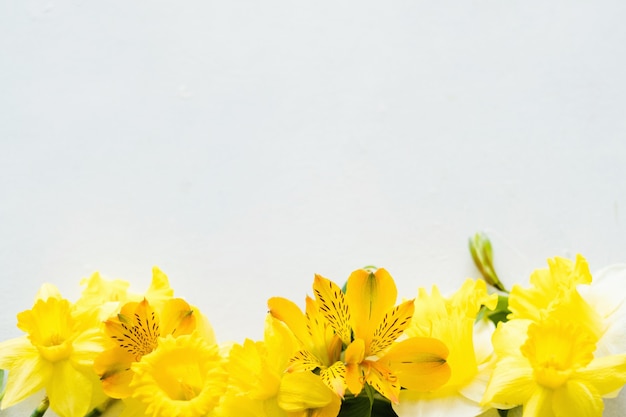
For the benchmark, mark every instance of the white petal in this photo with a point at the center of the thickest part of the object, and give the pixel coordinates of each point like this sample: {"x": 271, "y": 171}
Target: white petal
{"x": 415, "y": 404}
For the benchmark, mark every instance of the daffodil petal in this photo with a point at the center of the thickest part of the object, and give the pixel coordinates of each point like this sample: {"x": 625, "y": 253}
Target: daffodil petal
{"x": 511, "y": 383}
{"x": 86, "y": 347}
{"x": 28, "y": 373}
{"x": 577, "y": 399}
{"x": 160, "y": 290}
{"x": 69, "y": 391}
{"x": 46, "y": 291}
{"x": 606, "y": 374}
{"x": 539, "y": 404}
{"x": 413, "y": 403}
{"x": 509, "y": 336}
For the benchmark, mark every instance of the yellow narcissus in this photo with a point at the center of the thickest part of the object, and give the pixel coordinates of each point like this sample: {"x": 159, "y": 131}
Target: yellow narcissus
{"x": 57, "y": 355}
{"x": 548, "y": 359}
{"x": 453, "y": 321}
{"x": 183, "y": 376}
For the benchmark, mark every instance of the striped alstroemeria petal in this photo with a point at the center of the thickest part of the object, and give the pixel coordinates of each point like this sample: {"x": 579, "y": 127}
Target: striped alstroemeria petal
{"x": 335, "y": 378}
{"x": 392, "y": 326}
{"x": 333, "y": 306}
{"x": 303, "y": 361}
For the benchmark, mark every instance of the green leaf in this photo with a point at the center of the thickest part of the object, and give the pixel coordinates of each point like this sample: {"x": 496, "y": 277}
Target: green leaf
{"x": 503, "y": 413}
{"x": 2, "y": 387}
{"x": 360, "y": 406}
{"x": 382, "y": 408}
{"x": 501, "y": 311}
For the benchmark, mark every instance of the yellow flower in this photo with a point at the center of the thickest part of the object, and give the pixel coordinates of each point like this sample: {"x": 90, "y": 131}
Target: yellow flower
{"x": 135, "y": 331}
{"x": 549, "y": 286}
{"x": 453, "y": 321}
{"x": 107, "y": 296}
{"x": 57, "y": 355}
{"x": 547, "y": 353}
{"x": 321, "y": 346}
{"x": 367, "y": 322}
{"x": 549, "y": 368}
{"x": 259, "y": 387}
{"x": 182, "y": 377}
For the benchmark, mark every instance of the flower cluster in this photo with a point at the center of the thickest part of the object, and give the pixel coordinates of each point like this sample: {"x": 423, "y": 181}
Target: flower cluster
{"x": 555, "y": 348}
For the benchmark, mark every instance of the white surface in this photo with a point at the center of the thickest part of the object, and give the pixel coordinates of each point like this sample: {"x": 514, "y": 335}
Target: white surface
{"x": 244, "y": 146}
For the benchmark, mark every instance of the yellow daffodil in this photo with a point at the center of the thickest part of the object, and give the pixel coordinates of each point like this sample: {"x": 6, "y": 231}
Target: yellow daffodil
{"x": 107, "y": 296}
{"x": 547, "y": 353}
{"x": 368, "y": 323}
{"x": 549, "y": 368}
{"x": 453, "y": 321}
{"x": 260, "y": 387}
{"x": 136, "y": 331}
{"x": 57, "y": 355}
{"x": 568, "y": 282}
{"x": 549, "y": 287}
{"x": 183, "y": 376}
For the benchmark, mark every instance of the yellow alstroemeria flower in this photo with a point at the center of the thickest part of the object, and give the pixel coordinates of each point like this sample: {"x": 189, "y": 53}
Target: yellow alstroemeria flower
{"x": 453, "y": 321}
{"x": 135, "y": 332}
{"x": 57, "y": 355}
{"x": 549, "y": 367}
{"x": 368, "y": 323}
{"x": 183, "y": 376}
{"x": 320, "y": 345}
{"x": 260, "y": 387}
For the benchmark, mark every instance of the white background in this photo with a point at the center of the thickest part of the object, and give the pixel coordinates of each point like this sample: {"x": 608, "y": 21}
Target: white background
{"x": 244, "y": 146}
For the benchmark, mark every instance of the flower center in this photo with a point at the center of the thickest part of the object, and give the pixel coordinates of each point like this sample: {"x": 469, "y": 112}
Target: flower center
{"x": 557, "y": 349}
{"x": 182, "y": 377}
{"x": 139, "y": 338}
{"x": 55, "y": 348}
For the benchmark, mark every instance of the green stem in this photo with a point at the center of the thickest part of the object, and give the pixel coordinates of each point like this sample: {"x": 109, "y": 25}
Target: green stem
{"x": 41, "y": 408}
{"x": 99, "y": 410}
